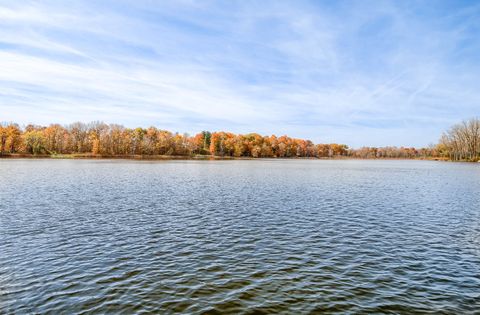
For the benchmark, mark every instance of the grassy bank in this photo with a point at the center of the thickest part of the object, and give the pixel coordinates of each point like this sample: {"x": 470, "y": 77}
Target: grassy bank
{"x": 124, "y": 157}
{"x": 193, "y": 157}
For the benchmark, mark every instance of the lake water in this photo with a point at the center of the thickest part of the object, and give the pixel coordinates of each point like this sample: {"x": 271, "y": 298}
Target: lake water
{"x": 239, "y": 237}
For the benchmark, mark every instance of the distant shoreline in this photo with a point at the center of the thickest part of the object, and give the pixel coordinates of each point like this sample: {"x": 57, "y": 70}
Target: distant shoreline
{"x": 195, "y": 157}
{"x": 98, "y": 140}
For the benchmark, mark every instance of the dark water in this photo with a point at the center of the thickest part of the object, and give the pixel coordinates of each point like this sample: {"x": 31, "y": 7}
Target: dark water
{"x": 256, "y": 237}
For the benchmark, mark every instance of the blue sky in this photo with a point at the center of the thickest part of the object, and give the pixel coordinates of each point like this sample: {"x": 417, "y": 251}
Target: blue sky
{"x": 354, "y": 72}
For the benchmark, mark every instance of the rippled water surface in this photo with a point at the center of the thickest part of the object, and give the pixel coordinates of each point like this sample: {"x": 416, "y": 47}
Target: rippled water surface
{"x": 256, "y": 237}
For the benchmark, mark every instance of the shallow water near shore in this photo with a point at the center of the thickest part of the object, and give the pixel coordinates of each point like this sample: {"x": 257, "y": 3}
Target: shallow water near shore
{"x": 239, "y": 237}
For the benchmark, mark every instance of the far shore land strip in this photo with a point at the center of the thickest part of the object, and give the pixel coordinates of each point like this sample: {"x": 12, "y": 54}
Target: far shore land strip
{"x": 198, "y": 157}
{"x": 99, "y": 140}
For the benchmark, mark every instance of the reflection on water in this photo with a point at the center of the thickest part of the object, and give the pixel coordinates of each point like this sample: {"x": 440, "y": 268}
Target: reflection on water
{"x": 257, "y": 237}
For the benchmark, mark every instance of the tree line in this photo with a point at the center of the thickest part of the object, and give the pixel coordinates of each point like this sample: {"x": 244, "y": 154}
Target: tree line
{"x": 461, "y": 142}
{"x": 98, "y": 138}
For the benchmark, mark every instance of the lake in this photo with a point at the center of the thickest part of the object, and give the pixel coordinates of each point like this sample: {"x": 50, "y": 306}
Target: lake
{"x": 239, "y": 237}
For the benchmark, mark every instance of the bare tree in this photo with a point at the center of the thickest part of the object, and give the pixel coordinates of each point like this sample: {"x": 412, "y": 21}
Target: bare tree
{"x": 462, "y": 141}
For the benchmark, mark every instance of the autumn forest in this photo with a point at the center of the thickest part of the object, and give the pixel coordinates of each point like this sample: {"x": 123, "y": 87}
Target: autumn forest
{"x": 97, "y": 139}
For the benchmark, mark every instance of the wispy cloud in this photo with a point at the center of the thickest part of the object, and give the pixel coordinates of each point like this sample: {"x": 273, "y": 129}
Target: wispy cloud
{"x": 354, "y": 72}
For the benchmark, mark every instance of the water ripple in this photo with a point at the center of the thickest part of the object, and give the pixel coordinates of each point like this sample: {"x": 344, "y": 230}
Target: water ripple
{"x": 239, "y": 237}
